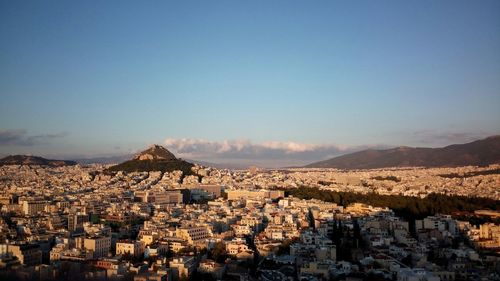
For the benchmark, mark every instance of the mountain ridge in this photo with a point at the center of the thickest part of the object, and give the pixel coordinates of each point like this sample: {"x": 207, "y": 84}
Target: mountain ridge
{"x": 30, "y": 160}
{"x": 477, "y": 153}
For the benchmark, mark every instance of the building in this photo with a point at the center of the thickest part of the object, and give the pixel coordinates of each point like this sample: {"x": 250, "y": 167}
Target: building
{"x": 233, "y": 248}
{"x": 100, "y": 245}
{"x": 316, "y": 269}
{"x": 489, "y": 236}
{"x": 182, "y": 267}
{"x": 75, "y": 221}
{"x": 155, "y": 250}
{"x": 213, "y": 268}
{"x": 236, "y": 194}
{"x": 438, "y": 222}
{"x": 131, "y": 247}
{"x": 27, "y": 254}
{"x": 148, "y": 237}
{"x": 33, "y": 207}
{"x": 416, "y": 274}
{"x": 160, "y": 197}
{"x": 215, "y": 190}
{"x": 194, "y": 235}
{"x": 151, "y": 276}
{"x": 5, "y": 200}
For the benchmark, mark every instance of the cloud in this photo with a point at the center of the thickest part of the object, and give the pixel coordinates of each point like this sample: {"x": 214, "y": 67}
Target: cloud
{"x": 21, "y": 138}
{"x": 246, "y": 151}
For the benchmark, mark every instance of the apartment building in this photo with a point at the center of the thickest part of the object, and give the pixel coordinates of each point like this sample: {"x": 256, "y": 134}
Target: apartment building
{"x": 27, "y": 254}
{"x": 131, "y": 247}
{"x": 194, "y": 235}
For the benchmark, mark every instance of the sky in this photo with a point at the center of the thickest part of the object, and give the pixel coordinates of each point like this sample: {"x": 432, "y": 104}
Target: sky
{"x": 274, "y": 82}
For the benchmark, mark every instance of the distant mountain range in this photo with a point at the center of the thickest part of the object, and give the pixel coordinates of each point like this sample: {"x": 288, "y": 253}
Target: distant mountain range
{"x": 34, "y": 160}
{"x": 155, "y": 158}
{"x": 478, "y": 153}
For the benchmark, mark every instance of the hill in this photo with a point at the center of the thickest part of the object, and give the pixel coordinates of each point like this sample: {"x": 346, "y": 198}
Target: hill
{"x": 155, "y": 158}
{"x": 125, "y": 157}
{"x": 34, "y": 160}
{"x": 478, "y": 153}
{"x": 156, "y": 152}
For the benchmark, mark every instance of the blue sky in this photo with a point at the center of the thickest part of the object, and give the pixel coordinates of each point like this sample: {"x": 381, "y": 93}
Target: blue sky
{"x": 109, "y": 77}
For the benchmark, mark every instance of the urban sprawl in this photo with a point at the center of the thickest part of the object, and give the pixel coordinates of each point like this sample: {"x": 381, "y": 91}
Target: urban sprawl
{"x": 79, "y": 223}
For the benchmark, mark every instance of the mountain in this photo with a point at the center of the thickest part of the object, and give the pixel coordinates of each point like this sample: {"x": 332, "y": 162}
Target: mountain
{"x": 156, "y": 152}
{"x": 123, "y": 158}
{"x": 155, "y": 158}
{"x": 478, "y": 153}
{"x": 34, "y": 160}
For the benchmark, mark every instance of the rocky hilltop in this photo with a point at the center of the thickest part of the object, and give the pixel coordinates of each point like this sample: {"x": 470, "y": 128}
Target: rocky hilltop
{"x": 155, "y": 158}
{"x": 156, "y": 152}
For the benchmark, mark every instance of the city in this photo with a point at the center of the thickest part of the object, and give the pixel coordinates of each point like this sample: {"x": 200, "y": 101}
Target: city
{"x": 273, "y": 140}
{"x": 87, "y": 223}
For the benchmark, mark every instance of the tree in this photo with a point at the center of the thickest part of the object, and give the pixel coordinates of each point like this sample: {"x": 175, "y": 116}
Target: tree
{"x": 407, "y": 260}
{"x": 357, "y": 234}
{"x": 218, "y": 253}
{"x": 407, "y": 207}
{"x": 183, "y": 277}
{"x": 284, "y": 248}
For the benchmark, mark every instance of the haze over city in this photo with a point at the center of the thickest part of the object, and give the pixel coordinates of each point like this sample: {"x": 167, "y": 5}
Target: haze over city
{"x": 271, "y": 83}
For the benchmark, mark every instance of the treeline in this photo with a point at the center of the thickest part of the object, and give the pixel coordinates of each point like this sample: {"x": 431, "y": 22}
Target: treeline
{"x": 471, "y": 174}
{"x": 152, "y": 165}
{"x": 388, "y": 178}
{"x": 405, "y": 206}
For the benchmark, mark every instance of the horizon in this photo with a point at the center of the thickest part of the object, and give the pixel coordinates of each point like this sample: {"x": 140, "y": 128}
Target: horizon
{"x": 271, "y": 82}
{"x": 231, "y": 163}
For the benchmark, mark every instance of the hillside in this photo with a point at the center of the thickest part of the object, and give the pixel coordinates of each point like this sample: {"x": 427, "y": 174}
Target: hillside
{"x": 155, "y": 158}
{"x": 34, "y": 160}
{"x": 478, "y": 153}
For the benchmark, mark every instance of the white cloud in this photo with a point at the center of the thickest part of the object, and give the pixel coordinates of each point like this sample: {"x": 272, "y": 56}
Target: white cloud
{"x": 245, "y": 151}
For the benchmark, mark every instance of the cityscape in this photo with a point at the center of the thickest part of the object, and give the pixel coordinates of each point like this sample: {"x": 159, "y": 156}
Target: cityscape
{"x": 94, "y": 223}
{"x": 244, "y": 141}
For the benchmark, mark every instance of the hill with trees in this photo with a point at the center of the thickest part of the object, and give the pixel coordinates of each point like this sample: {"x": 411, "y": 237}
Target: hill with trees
{"x": 155, "y": 158}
